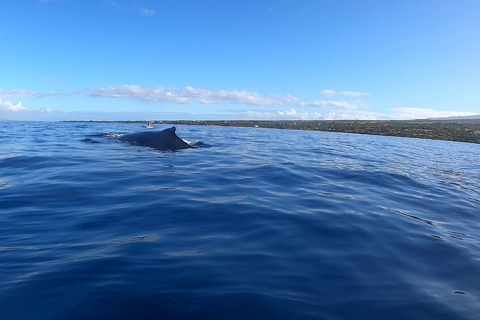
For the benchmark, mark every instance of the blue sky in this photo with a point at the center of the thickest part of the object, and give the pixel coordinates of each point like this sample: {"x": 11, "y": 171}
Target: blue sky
{"x": 218, "y": 59}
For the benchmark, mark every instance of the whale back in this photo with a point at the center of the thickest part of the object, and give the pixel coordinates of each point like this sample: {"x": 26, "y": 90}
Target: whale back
{"x": 160, "y": 140}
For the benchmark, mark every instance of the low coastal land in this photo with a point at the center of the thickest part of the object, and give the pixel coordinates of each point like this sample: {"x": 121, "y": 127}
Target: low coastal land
{"x": 451, "y": 130}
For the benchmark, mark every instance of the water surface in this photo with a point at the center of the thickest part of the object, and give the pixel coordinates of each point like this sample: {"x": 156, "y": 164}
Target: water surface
{"x": 253, "y": 224}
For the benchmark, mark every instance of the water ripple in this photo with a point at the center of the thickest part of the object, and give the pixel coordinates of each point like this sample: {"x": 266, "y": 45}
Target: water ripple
{"x": 261, "y": 224}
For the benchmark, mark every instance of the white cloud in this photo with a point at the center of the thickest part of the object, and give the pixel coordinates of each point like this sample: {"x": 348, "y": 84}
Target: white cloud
{"x": 184, "y": 96}
{"x": 277, "y": 5}
{"x": 19, "y": 93}
{"x": 333, "y": 93}
{"x": 291, "y": 114}
{"x": 352, "y": 94}
{"x": 155, "y": 94}
{"x": 335, "y": 110}
{"x": 397, "y": 114}
{"x": 113, "y": 3}
{"x": 52, "y": 80}
{"x": 204, "y": 96}
{"x": 332, "y": 104}
{"x": 419, "y": 113}
{"x": 215, "y": 97}
{"x": 328, "y": 93}
{"x": 147, "y": 12}
{"x": 10, "y": 107}
{"x": 36, "y": 94}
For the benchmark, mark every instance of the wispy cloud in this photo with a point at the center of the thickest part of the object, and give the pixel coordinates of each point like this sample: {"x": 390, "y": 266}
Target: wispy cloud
{"x": 333, "y": 93}
{"x": 248, "y": 98}
{"x": 352, "y": 94}
{"x": 8, "y": 109}
{"x": 395, "y": 114}
{"x": 333, "y": 109}
{"x": 131, "y": 6}
{"x": 19, "y": 93}
{"x": 146, "y": 12}
{"x": 329, "y": 104}
{"x": 204, "y": 96}
{"x": 184, "y": 96}
{"x": 419, "y": 113}
{"x": 52, "y": 80}
{"x": 113, "y": 3}
{"x": 293, "y": 114}
{"x": 328, "y": 93}
{"x": 150, "y": 94}
{"x": 30, "y": 93}
{"x": 278, "y": 5}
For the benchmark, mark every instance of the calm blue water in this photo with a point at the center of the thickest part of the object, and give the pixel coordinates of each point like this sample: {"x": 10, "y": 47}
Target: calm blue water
{"x": 254, "y": 224}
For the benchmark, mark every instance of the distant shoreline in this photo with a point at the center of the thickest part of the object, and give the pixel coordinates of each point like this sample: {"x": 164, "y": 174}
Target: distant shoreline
{"x": 448, "y": 130}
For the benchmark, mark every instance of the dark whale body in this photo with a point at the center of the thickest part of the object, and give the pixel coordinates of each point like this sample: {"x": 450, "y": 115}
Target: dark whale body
{"x": 160, "y": 140}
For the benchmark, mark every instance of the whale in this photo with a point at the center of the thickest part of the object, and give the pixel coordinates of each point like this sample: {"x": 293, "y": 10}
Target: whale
{"x": 165, "y": 140}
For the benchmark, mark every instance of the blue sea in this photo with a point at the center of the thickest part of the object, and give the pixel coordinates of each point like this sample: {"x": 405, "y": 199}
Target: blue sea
{"x": 252, "y": 224}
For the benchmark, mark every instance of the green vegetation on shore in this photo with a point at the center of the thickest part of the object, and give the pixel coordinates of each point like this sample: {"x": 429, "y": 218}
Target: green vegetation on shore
{"x": 451, "y": 130}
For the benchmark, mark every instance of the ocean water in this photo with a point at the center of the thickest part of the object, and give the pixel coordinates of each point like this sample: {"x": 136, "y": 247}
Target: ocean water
{"x": 252, "y": 224}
